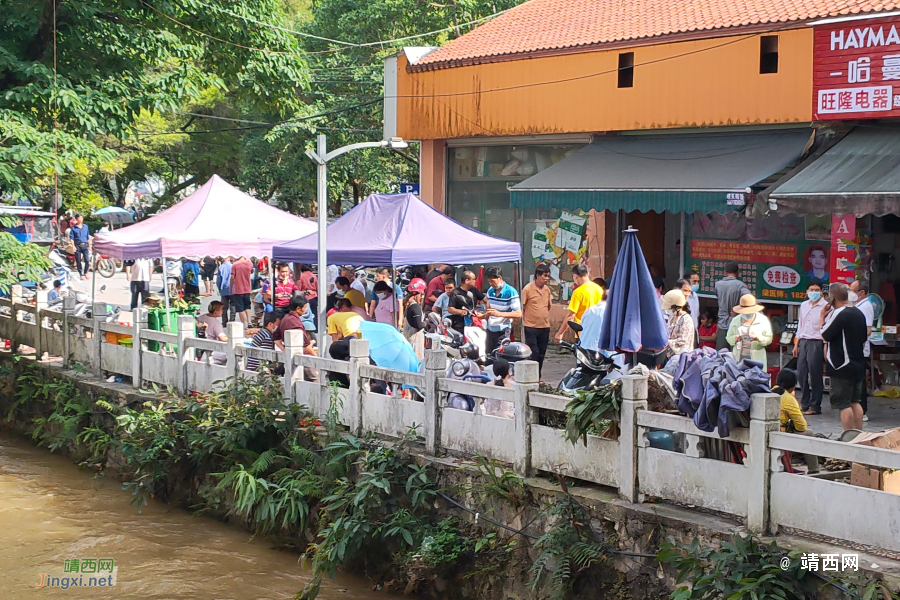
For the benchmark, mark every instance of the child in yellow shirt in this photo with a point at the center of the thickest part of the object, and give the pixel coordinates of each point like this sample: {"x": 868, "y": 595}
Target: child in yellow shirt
{"x": 792, "y": 420}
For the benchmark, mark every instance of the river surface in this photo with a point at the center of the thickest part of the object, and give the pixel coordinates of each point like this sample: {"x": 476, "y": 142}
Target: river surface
{"x": 50, "y": 512}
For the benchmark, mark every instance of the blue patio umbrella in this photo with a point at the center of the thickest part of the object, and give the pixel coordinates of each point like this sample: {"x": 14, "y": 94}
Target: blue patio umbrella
{"x": 633, "y": 319}
{"x": 388, "y": 348}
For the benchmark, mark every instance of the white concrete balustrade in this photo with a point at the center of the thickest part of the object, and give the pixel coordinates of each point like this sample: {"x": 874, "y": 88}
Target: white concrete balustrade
{"x": 758, "y": 493}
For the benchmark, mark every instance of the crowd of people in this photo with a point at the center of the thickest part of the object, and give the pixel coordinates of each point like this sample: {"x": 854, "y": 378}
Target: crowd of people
{"x": 831, "y": 339}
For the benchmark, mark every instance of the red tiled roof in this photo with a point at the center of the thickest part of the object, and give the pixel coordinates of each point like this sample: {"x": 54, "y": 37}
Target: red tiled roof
{"x": 546, "y": 25}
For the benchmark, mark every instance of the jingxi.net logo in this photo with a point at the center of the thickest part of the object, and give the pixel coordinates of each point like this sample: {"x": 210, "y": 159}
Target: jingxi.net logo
{"x": 81, "y": 572}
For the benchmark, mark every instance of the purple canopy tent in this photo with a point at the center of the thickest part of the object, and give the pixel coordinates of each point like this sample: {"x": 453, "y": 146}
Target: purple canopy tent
{"x": 399, "y": 229}
{"x": 216, "y": 220}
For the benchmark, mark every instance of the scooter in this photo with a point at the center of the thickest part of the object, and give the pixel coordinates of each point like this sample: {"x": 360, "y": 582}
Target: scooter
{"x": 593, "y": 369}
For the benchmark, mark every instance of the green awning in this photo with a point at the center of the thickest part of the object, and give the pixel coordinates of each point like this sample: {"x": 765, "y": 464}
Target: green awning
{"x": 858, "y": 175}
{"x": 678, "y": 173}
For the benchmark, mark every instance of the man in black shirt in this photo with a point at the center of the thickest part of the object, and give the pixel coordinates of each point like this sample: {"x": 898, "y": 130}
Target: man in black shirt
{"x": 844, "y": 330}
{"x": 462, "y": 302}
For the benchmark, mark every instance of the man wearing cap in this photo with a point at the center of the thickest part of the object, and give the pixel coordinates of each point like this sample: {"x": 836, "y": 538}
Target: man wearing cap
{"x": 750, "y": 331}
{"x": 729, "y": 291}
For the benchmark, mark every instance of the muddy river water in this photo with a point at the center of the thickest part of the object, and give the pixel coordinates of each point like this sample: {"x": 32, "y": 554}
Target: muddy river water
{"x": 52, "y": 514}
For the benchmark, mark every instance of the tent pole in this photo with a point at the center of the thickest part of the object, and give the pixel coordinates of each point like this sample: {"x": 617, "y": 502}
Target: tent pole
{"x": 93, "y": 281}
{"x": 165, "y": 281}
{"x": 322, "y": 214}
{"x": 681, "y": 249}
{"x": 394, "y": 297}
{"x": 271, "y": 286}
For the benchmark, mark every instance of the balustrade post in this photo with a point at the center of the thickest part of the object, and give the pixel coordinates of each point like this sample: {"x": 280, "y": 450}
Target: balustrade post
{"x": 359, "y": 356}
{"x": 293, "y": 346}
{"x": 765, "y": 410}
{"x": 435, "y": 367}
{"x": 634, "y": 399}
{"x": 98, "y": 312}
{"x": 526, "y": 380}
{"x": 68, "y": 309}
{"x": 40, "y": 305}
{"x": 139, "y": 322}
{"x": 234, "y": 331}
{"x": 185, "y": 354}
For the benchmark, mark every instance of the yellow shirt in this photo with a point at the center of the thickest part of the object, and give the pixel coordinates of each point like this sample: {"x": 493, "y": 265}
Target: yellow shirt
{"x": 790, "y": 411}
{"x": 585, "y": 296}
{"x": 356, "y": 298}
{"x": 345, "y": 323}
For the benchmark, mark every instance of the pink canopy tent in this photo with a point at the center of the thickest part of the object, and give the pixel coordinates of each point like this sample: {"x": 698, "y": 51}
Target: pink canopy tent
{"x": 216, "y": 220}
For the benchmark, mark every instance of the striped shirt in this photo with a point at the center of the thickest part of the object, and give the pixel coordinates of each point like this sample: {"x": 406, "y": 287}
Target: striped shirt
{"x": 261, "y": 339}
{"x": 506, "y": 299}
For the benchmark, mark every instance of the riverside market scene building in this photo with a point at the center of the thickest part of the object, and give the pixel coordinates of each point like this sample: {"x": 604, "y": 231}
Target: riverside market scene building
{"x": 760, "y": 132}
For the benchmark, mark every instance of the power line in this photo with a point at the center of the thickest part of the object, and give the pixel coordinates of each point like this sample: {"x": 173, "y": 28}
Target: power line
{"x": 591, "y": 75}
{"x": 203, "y": 33}
{"x": 191, "y": 114}
{"x": 350, "y": 44}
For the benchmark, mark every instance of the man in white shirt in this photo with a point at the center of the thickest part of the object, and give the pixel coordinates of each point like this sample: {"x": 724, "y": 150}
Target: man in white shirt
{"x": 140, "y": 274}
{"x": 864, "y": 304}
{"x": 331, "y": 273}
{"x": 810, "y": 349}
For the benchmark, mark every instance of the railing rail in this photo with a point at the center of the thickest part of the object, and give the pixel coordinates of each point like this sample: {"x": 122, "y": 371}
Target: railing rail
{"x": 758, "y": 491}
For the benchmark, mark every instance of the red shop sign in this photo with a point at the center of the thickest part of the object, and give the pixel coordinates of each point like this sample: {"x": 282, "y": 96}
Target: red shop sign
{"x": 856, "y": 69}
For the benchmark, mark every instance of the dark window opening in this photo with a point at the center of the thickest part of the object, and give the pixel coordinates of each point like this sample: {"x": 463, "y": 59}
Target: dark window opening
{"x": 626, "y": 69}
{"x": 768, "y": 54}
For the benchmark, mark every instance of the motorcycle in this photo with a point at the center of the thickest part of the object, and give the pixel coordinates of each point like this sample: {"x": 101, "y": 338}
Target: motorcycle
{"x": 108, "y": 266}
{"x": 593, "y": 368}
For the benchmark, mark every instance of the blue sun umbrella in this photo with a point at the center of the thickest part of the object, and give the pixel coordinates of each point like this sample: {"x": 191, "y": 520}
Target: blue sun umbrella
{"x": 633, "y": 319}
{"x": 388, "y": 348}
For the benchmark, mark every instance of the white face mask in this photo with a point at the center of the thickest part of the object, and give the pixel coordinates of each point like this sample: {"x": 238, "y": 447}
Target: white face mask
{"x": 381, "y": 295}
{"x": 340, "y": 293}
{"x": 852, "y": 297}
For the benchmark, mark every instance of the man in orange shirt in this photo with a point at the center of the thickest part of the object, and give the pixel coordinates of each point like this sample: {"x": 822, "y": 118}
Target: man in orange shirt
{"x": 536, "y": 302}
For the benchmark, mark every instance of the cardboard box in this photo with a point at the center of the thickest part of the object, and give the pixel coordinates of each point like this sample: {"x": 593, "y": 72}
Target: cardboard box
{"x": 875, "y": 478}
{"x": 887, "y": 440}
{"x": 495, "y": 169}
{"x": 464, "y": 168}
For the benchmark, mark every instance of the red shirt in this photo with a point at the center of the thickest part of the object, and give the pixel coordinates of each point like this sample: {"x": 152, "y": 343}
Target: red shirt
{"x": 240, "y": 276}
{"x": 436, "y": 287}
{"x": 309, "y": 284}
{"x": 283, "y": 292}
{"x": 704, "y": 331}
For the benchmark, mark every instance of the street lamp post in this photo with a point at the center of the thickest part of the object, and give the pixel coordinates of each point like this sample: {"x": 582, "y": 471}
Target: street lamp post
{"x": 322, "y": 157}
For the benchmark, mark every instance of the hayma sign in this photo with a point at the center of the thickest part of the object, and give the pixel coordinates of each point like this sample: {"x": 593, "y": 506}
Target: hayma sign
{"x": 856, "y": 69}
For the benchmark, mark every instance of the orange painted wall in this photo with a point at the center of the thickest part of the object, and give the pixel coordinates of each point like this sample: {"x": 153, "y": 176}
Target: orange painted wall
{"x": 712, "y": 82}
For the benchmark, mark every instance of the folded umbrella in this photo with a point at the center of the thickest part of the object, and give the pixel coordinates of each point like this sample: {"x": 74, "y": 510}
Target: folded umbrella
{"x": 633, "y": 319}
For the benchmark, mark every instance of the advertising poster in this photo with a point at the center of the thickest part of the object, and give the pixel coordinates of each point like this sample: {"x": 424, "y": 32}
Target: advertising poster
{"x": 777, "y": 255}
{"x": 843, "y": 248}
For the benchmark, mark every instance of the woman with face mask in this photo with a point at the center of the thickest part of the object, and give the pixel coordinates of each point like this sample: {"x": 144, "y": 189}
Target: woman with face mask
{"x": 387, "y": 306}
{"x": 749, "y": 331}
{"x": 680, "y": 325}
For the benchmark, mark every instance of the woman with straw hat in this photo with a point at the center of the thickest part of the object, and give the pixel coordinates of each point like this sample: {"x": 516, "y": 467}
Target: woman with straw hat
{"x": 750, "y": 331}
{"x": 681, "y": 325}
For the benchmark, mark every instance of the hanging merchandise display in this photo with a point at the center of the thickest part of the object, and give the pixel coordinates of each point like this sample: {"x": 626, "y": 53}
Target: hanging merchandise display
{"x": 562, "y": 244}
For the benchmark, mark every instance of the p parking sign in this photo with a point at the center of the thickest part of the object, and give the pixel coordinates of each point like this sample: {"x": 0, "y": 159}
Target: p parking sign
{"x": 409, "y": 188}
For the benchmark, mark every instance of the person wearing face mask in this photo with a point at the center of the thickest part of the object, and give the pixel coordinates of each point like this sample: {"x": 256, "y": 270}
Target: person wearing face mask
{"x": 344, "y": 289}
{"x": 693, "y": 300}
{"x": 388, "y": 305}
{"x": 809, "y": 349}
{"x": 749, "y": 331}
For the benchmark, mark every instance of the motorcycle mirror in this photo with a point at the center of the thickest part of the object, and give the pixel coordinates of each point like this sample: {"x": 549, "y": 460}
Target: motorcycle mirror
{"x": 576, "y": 327}
{"x": 102, "y": 288}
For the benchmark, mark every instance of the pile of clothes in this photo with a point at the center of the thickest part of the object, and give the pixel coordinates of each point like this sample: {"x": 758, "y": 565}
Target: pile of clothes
{"x": 714, "y": 389}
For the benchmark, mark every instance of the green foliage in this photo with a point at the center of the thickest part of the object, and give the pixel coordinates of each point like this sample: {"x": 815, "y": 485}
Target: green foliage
{"x": 568, "y": 548}
{"x": 20, "y": 261}
{"x": 495, "y": 482}
{"x": 595, "y": 412}
{"x": 115, "y": 58}
{"x": 741, "y": 568}
{"x": 746, "y": 568}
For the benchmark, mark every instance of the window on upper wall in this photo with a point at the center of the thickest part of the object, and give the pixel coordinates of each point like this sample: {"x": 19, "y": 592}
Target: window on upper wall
{"x": 768, "y": 54}
{"x": 626, "y": 69}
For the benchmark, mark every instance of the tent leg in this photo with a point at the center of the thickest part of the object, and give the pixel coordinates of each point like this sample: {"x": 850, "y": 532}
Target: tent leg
{"x": 681, "y": 249}
{"x": 394, "y": 298}
{"x": 271, "y": 287}
{"x": 165, "y": 278}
